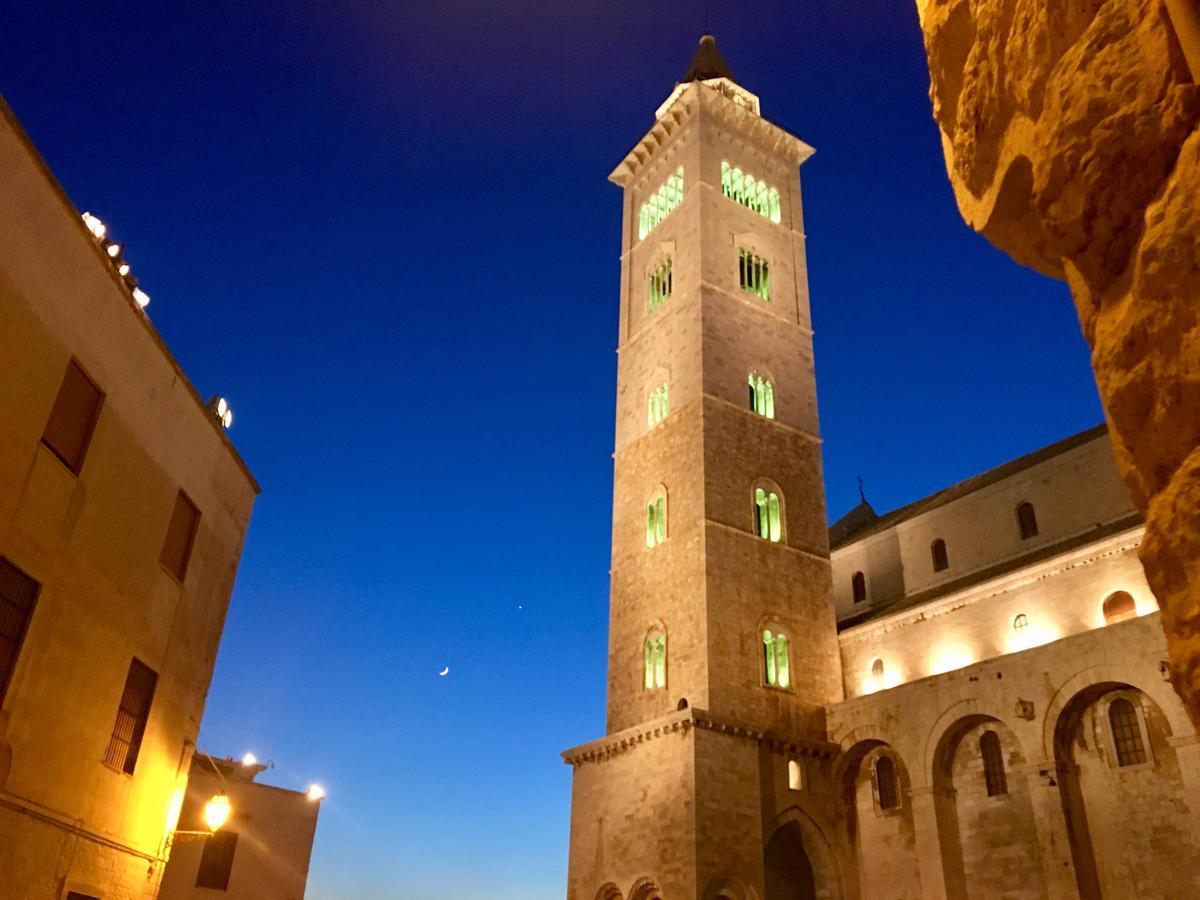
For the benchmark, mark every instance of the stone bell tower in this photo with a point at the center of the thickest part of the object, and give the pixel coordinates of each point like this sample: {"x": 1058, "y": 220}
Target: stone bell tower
{"x": 722, "y": 639}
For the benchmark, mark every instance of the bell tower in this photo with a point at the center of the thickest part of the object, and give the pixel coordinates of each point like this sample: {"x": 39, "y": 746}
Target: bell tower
{"x": 722, "y": 639}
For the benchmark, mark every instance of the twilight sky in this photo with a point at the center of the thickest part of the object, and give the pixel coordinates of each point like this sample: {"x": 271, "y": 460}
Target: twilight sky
{"x": 384, "y": 231}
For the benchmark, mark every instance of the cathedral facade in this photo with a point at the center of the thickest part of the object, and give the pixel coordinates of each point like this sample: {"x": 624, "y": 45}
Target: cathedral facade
{"x": 965, "y": 697}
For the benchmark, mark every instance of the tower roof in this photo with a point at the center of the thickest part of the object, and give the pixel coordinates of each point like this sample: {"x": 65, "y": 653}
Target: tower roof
{"x": 707, "y": 63}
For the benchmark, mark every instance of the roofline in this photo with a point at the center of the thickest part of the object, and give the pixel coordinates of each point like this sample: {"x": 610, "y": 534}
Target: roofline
{"x": 965, "y": 487}
{"x": 58, "y": 189}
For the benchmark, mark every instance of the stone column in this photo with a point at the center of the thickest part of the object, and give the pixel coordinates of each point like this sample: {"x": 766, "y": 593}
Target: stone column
{"x": 1053, "y": 832}
{"x": 939, "y": 851}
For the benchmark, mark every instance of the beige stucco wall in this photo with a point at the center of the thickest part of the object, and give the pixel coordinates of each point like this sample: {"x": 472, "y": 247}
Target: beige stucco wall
{"x": 93, "y": 542}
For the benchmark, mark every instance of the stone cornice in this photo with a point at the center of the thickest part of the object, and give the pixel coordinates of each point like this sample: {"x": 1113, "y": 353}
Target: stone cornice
{"x": 683, "y": 721}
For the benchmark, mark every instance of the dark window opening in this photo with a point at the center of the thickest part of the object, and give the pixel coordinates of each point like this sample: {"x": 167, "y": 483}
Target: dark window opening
{"x": 217, "y": 861}
{"x": 1127, "y": 733}
{"x": 181, "y": 535}
{"x": 132, "y": 714}
{"x": 994, "y": 776}
{"x": 18, "y": 593}
{"x": 886, "y": 789}
{"x": 1027, "y": 520}
{"x": 73, "y": 418}
{"x": 859, "y": 584}
{"x": 76, "y": 895}
{"x": 1118, "y": 607}
{"x": 941, "y": 561}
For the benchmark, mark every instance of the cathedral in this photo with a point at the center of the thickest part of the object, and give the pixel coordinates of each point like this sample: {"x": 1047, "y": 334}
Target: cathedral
{"x": 964, "y": 697}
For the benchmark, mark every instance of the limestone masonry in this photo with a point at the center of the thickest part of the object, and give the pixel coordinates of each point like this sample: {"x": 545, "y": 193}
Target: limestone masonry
{"x": 966, "y": 697}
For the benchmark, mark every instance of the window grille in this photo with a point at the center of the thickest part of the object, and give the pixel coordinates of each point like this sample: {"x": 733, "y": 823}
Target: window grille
{"x": 656, "y": 406}
{"x": 941, "y": 561}
{"x": 132, "y": 714}
{"x": 762, "y": 395}
{"x": 886, "y": 790}
{"x": 754, "y": 274}
{"x": 859, "y": 585}
{"x": 660, "y": 286}
{"x": 1020, "y": 622}
{"x": 766, "y": 512}
{"x": 655, "y": 653}
{"x": 660, "y": 204}
{"x": 994, "y": 776}
{"x": 1126, "y": 732}
{"x": 181, "y": 535}
{"x": 750, "y": 192}
{"x": 73, "y": 418}
{"x": 1027, "y": 521}
{"x": 18, "y": 594}
{"x": 656, "y": 521}
{"x": 775, "y": 659}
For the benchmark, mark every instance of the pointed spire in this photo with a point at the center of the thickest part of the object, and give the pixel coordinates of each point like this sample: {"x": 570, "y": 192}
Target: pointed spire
{"x": 707, "y": 63}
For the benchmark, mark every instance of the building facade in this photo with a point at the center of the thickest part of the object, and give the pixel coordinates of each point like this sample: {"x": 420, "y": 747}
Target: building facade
{"x": 123, "y": 507}
{"x": 963, "y": 698}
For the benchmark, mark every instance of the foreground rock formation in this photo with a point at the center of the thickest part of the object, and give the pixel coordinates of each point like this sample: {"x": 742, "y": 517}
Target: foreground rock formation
{"x": 1071, "y": 138}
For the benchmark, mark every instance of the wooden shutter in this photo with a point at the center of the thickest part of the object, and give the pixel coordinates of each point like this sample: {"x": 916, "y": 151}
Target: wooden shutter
{"x": 18, "y": 592}
{"x": 132, "y": 715}
{"x": 181, "y": 535}
{"x": 73, "y": 418}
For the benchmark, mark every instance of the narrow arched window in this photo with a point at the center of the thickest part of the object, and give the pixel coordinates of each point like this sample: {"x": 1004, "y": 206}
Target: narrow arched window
{"x": 937, "y": 550}
{"x": 656, "y": 521}
{"x": 762, "y": 395}
{"x": 655, "y": 653}
{"x": 754, "y": 274}
{"x": 767, "y": 515}
{"x": 993, "y": 764}
{"x": 659, "y": 289}
{"x": 661, "y": 203}
{"x": 656, "y": 406}
{"x": 1027, "y": 521}
{"x": 859, "y": 585}
{"x": 1118, "y": 607}
{"x": 877, "y": 670}
{"x": 750, "y": 192}
{"x": 1126, "y": 732}
{"x": 887, "y": 792}
{"x": 795, "y": 775}
{"x": 775, "y": 659}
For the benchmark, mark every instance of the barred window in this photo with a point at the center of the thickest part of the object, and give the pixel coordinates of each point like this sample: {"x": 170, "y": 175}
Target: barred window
{"x": 1126, "y": 732}
{"x": 887, "y": 791}
{"x": 216, "y": 861}
{"x": 656, "y": 406}
{"x": 18, "y": 594}
{"x": 73, "y": 418}
{"x": 1027, "y": 521}
{"x": 858, "y": 585}
{"x": 762, "y": 395}
{"x": 132, "y": 715}
{"x": 660, "y": 204}
{"x": 656, "y": 521}
{"x": 993, "y": 764}
{"x": 937, "y": 550}
{"x": 750, "y": 192}
{"x": 754, "y": 274}
{"x": 660, "y": 286}
{"x": 775, "y": 659}
{"x": 655, "y": 653}
{"x": 766, "y": 513}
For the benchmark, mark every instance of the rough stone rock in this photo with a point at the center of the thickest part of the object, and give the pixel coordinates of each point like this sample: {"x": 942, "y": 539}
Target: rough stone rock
{"x": 1071, "y": 132}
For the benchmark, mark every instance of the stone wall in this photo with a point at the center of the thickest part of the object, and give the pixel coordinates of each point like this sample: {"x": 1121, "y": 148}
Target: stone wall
{"x": 1071, "y": 140}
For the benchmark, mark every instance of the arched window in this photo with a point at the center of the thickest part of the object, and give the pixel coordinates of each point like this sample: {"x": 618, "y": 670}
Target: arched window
{"x": 1126, "y": 733}
{"x": 762, "y": 395}
{"x": 775, "y": 659}
{"x": 993, "y": 764}
{"x": 859, "y": 585}
{"x": 767, "y": 516}
{"x": 754, "y": 274}
{"x": 656, "y": 406}
{"x": 1027, "y": 521}
{"x": 795, "y": 775}
{"x": 937, "y": 550}
{"x": 656, "y": 521}
{"x": 1020, "y": 622}
{"x": 660, "y": 286}
{"x": 887, "y": 791}
{"x": 877, "y": 670}
{"x": 660, "y": 204}
{"x": 750, "y": 192}
{"x": 655, "y": 653}
{"x": 1119, "y": 606}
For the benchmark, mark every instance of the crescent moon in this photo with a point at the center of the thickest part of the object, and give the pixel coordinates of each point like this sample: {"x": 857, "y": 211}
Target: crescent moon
{"x": 444, "y": 672}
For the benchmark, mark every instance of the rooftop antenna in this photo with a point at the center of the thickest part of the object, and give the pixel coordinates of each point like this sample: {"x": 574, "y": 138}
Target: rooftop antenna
{"x": 861, "y": 495}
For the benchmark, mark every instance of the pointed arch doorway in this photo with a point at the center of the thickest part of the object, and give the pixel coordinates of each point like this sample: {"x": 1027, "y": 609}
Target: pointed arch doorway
{"x": 787, "y": 869}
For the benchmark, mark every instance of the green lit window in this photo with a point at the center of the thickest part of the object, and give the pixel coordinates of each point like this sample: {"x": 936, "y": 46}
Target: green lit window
{"x": 660, "y": 204}
{"x": 660, "y": 286}
{"x": 766, "y": 514}
{"x": 754, "y": 274}
{"x": 655, "y": 653}
{"x": 750, "y": 192}
{"x": 775, "y": 659}
{"x": 762, "y": 395}
{"x": 656, "y": 405}
{"x": 656, "y": 521}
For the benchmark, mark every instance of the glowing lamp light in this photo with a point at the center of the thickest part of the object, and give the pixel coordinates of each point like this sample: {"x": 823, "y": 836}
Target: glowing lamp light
{"x": 142, "y": 298}
{"x": 123, "y": 269}
{"x": 95, "y": 226}
{"x": 220, "y": 409}
{"x": 216, "y": 811}
{"x": 113, "y": 250}
{"x": 316, "y": 792}
{"x": 249, "y": 760}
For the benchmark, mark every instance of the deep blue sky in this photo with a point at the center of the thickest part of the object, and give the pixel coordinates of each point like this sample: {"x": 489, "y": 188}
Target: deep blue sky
{"x": 384, "y": 231}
